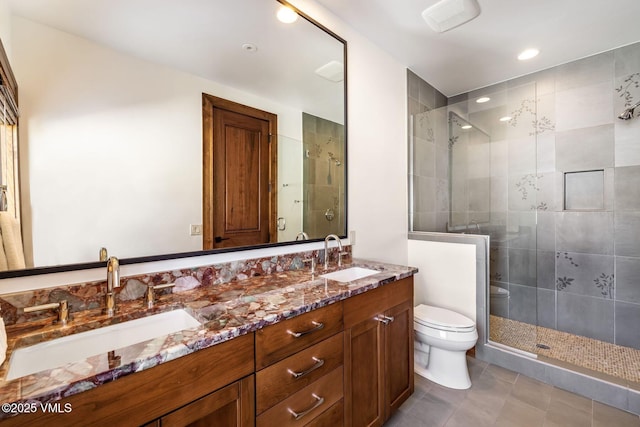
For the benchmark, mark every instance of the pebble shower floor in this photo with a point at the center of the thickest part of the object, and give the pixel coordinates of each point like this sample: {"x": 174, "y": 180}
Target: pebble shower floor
{"x": 597, "y": 356}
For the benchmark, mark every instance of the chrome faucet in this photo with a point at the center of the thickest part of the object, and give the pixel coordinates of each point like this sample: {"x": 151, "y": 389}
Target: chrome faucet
{"x": 113, "y": 280}
{"x": 326, "y": 252}
{"x": 302, "y": 234}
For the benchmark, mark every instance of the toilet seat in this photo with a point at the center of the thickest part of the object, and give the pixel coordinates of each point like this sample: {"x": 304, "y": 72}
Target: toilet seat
{"x": 442, "y": 319}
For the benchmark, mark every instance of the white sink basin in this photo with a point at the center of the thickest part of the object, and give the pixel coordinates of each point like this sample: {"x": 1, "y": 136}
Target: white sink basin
{"x": 350, "y": 274}
{"x": 60, "y": 351}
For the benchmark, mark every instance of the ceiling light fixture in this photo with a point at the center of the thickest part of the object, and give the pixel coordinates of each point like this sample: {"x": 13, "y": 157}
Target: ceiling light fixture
{"x": 505, "y": 118}
{"x": 483, "y": 99}
{"x": 528, "y": 54}
{"x": 332, "y": 71}
{"x": 250, "y": 47}
{"x": 448, "y": 14}
{"x": 287, "y": 15}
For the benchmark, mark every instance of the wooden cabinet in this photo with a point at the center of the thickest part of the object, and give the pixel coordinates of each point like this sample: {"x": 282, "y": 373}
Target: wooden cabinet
{"x": 301, "y": 380}
{"x": 285, "y": 338}
{"x": 378, "y": 348}
{"x": 232, "y": 406}
{"x": 347, "y": 363}
{"x": 145, "y": 396}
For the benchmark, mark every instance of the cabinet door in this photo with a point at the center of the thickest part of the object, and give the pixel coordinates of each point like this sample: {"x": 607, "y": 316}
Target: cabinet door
{"x": 364, "y": 383}
{"x": 230, "y": 406}
{"x": 398, "y": 338}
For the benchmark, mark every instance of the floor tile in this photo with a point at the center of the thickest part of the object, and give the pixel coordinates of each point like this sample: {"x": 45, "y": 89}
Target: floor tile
{"x": 518, "y": 414}
{"x": 532, "y": 392}
{"x": 607, "y": 416}
{"x": 471, "y": 412}
{"x": 561, "y": 414}
{"x": 503, "y": 398}
{"x": 501, "y": 373}
{"x": 572, "y": 400}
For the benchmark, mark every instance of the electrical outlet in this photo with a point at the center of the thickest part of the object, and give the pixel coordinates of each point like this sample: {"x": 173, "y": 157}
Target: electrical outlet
{"x": 352, "y": 237}
{"x": 196, "y": 229}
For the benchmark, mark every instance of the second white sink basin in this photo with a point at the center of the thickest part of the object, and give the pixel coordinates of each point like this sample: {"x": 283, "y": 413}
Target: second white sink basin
{"x": 350, "y": 274}
{"x": 60, "y": 351}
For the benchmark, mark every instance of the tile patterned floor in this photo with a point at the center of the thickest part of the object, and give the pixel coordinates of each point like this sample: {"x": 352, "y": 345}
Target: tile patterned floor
{"x": 599, "y": 356}
{"x": 502, "y": 398}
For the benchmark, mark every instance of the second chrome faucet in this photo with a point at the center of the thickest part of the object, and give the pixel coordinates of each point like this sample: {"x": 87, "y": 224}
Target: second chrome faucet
{"x": 326, "y": 252}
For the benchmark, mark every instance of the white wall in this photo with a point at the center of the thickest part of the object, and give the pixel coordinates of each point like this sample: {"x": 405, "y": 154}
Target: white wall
{"x": 136, "y": 125}
{"x": 377, "y": 156}
{"x": 5, "y": 28}
{"x": 447, "y": 276}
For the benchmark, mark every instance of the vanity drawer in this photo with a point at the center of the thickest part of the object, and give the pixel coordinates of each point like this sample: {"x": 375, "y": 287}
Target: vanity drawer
{"x": 332, "y": 417}
{"x": 285, "y": 338}
{"x": 309, "y": 403}
{"x": 284, "y": 378}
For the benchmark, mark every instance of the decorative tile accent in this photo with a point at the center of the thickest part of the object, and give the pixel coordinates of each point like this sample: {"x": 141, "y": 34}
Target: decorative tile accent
{"x": 624, "y": 90}
{"x": 585, "y": 274}
{"x": 527, "y": 111}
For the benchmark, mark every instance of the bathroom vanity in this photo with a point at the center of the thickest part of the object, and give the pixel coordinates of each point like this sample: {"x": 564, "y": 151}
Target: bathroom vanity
{"x": 289, "y": 348}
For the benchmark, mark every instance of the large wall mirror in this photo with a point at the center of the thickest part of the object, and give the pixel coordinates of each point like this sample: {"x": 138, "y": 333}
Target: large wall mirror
{"x": 111, "y": 122}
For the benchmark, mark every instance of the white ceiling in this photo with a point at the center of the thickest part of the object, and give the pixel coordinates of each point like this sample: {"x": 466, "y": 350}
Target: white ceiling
{"x": 205, "y": 38}
{"x": 483, "y": 51}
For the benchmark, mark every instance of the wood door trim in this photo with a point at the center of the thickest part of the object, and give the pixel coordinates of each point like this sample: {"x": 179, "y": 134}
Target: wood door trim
{"x": 209, "y": 102}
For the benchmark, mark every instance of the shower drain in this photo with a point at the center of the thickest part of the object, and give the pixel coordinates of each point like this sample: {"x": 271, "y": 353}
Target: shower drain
{"x": 543, "y": 346}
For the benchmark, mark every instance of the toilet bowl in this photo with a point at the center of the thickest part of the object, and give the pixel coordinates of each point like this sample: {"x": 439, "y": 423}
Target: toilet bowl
{"x": 498, "y": 301}
{"x": 442, "y": 338}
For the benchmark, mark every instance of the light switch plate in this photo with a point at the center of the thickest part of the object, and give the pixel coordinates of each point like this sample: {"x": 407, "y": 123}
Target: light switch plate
{"x": 196, "y": 229}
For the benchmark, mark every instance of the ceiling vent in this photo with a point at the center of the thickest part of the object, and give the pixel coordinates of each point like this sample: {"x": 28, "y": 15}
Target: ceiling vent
{"x": 448, "y": 14}
{"x": 332, "y": 71}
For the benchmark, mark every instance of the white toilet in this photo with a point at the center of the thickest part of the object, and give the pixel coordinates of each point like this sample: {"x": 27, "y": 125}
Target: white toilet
{"x": 442, "y": 338}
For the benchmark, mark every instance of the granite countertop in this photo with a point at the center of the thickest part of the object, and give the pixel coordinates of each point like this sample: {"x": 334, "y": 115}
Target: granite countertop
{"x": 225, "y": 311}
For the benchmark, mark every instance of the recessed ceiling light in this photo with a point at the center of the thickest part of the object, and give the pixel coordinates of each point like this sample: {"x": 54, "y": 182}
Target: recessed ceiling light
{"x": 465, "y": 127}
{"x": 483, "y": 99}
{"x": 249, "y": 47}
{"x": 528, "y": 54}
{"x": 287, "y": 15}
{"x": 505, "y": 118}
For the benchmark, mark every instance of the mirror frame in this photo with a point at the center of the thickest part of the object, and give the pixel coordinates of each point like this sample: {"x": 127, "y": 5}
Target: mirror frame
{"x": 164, "y": 257}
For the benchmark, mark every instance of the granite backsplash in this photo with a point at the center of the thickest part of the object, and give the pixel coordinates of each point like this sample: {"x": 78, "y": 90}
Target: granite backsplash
{"x": 91, "y": 295}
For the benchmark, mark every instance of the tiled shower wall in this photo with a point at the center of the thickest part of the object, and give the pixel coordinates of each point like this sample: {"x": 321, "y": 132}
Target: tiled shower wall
{"x": 564, "y": 193}
{"x": 323, "y": 176}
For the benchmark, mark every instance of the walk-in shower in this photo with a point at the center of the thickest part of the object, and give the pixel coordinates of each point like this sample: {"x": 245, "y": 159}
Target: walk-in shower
{"x": 549, "y": 173}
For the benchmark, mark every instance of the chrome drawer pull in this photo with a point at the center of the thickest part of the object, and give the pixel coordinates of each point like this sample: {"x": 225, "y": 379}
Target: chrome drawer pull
{"x": 296, "y": 375}
{"x": 382, "y": 319}
{"x": 298, "y": 415}
{"x": 389, "y": 318}
{"x": 318, "y": 326}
